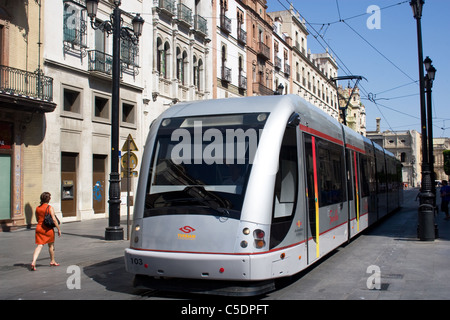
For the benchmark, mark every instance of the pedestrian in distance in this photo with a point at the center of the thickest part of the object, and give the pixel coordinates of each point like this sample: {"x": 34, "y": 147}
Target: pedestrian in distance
{"x": 44, "y": 234}
{"x": 445, "y": 198}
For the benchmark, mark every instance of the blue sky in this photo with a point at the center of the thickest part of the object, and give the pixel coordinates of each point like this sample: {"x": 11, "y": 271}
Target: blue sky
{"x": 387, "y": 57}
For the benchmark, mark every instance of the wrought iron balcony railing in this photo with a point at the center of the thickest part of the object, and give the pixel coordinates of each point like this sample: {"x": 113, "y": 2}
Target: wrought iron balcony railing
{"x": 226, "y": 74}
{"x": 100, "y": 61}
{"x": 185, "y": 14}
{"x": 225, "y": 23}
{"x": 24, "y": 83}
{"x": 242, "y": 36}
{"x": 167, "y": 6}
{"x": 242, "y": 82}
{"x": 200, "y": 24}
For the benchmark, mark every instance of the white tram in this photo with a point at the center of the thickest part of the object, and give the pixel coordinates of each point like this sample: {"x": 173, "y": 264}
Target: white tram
{"x": 235, "y": 193}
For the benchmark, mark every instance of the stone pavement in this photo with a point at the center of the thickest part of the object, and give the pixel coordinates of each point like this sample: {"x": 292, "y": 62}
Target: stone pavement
{"x": 92, "y": 268}
{"x": 82, "y": 244}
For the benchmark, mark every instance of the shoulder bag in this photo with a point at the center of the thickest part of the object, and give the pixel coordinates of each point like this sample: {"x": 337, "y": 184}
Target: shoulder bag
{"x": 48, "y": 220}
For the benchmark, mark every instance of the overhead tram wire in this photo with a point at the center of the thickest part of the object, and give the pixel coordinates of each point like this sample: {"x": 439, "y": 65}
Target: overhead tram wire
{"x": 378, "y": 51}
{"x": 369, "y": 95}
{"x": 328, "y": 47}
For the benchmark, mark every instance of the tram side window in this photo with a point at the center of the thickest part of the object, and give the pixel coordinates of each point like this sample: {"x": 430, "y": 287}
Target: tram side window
{"x": 364, "y": 169}
{"x": 330, "y": 173}
{"x": 287, "y": 176}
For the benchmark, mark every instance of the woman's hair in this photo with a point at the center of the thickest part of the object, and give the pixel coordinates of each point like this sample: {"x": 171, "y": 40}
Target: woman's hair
{"x": 45, "y": 197}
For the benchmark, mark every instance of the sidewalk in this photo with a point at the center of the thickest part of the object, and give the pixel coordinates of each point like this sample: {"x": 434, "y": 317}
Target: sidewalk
{"x": 82, "y": 244}
{"x": 410, "y": 269}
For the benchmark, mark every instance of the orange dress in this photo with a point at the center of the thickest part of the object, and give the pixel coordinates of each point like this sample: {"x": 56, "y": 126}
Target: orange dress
{"x": 44, "y": 234}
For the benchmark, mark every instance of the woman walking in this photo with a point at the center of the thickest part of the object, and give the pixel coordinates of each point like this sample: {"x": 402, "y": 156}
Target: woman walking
{"x": 44, "y": 234}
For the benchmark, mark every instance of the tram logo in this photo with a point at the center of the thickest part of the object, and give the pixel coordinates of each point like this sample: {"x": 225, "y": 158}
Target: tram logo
{"x": 186, "y": 233}
{"x": 187, "y": 229}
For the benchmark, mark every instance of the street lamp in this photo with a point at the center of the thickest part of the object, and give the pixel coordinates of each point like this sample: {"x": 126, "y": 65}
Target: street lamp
{"x": 426, "y": 208}
{"x": 114, "y": 26}
{"x": 429, "y": 78}
{"x": 279, "y": 90}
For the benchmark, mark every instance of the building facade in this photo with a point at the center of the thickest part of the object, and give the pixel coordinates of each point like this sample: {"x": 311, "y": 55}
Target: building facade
{"x": 181, "y": 55}
{"x": 406, "y": 146}
{"x": 26, "y": 100}
{"x": 309, "y": 74}
{"x": 77, "y": 148}
{"x": 439, "y": 146}
{"x": 353, "y": 111}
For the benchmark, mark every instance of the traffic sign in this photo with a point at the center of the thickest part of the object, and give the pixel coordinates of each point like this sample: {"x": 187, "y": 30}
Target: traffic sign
{"x": 129, "y": 144}
{"x": 133, "y": 161}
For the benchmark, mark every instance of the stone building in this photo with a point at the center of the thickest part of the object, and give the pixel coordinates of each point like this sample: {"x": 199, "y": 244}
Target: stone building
{"x": 77, "y": 147}
{"x": 26, "y": 101}
{"x": 406, "y": 146}
{"x": 355, "y": 112}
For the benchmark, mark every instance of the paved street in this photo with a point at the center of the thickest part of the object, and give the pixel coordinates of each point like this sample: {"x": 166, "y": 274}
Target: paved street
{"x": 410, "y": 269}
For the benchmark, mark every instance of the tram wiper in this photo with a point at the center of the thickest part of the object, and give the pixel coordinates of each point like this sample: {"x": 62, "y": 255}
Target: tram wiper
{"x": 209, "y": 199}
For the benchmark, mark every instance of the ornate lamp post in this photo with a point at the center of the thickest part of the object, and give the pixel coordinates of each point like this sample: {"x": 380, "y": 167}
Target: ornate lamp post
{"x": 426, "y": 230}
{"x": 114, "y": 26}
{"x": 429, "y": 78}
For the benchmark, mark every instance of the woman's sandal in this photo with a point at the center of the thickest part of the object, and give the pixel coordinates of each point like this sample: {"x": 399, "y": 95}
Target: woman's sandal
{"x": 54, "y": 264}
{"x": 32, "y": 267}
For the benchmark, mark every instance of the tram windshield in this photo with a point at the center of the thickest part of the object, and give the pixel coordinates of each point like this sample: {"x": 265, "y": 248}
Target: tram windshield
{"x": 201, "y": 164}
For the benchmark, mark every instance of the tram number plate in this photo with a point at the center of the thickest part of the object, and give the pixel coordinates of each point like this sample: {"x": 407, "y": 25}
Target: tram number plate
{"x": 136, "y": 261}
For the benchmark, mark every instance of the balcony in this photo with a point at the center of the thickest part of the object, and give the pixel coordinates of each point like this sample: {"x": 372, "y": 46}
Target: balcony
{"x": 167, "y": 6}
{"x": 261, "y": 89}
{"x": 200, "y": 24}
{"x": 242, "y": 82}
{"x": 278, "y": 63}
{"x": 242, "y": 36}
{"x": 287, "y": 69}
{"x": 225, "y": 23}
{"x": 100, "y": 62}
{"x": 27, "y": 91}
{"x": 263, "y": 51}
{"x": 226, "y": 74}
{"x": 185, "y": 15}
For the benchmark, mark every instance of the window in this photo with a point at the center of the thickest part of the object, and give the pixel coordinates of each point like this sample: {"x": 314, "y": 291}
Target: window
{"x": 403, "y": 157}
{"x": 72, "y": 101}
{"x": 287, "y": 176}
{"x": 286, "y": 188}
{"x": 129, "y": 53}
{"x": 162, "y": 58}
{"x": 101, "y": 107}
{"x": 181, "y": 61}
{"x": 329, "y": 171}
{"x": 128, "y": 113}
{"x": 74, "y": 26}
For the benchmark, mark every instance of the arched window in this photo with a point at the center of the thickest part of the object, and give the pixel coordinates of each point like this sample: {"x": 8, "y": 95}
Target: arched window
{"x": 162, "y": 56}
{"x": 200, "y": 75}
{"x": 181, "y": 61}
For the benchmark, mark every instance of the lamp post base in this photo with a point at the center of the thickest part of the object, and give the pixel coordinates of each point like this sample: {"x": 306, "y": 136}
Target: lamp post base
{"x": 114, "y": 233}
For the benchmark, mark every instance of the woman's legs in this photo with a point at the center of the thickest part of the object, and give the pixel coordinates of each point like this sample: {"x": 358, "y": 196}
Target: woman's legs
{"x": 51, "y": 251}
{"x": 36, "y": 253}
